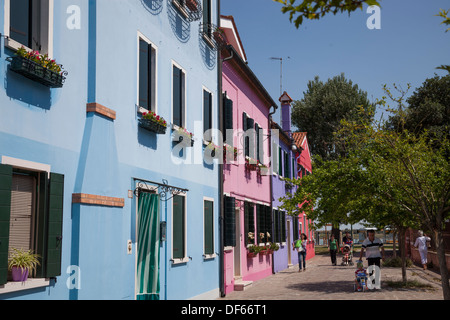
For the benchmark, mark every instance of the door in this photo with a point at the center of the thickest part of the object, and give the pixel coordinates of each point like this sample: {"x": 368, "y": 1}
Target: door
{"x": 289, "y": 241}
{"x": 148, "y": 252}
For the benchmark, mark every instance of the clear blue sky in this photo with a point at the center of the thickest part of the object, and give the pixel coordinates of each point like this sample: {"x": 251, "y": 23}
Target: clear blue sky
{"x": 407, "y": 49}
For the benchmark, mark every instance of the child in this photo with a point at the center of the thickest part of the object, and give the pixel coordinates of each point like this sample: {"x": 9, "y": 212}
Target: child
{"x": 360, "y": 275}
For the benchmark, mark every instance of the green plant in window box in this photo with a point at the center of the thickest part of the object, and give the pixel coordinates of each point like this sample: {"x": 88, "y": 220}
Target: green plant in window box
{"x": 151, "y": 121}
{"x": 253, "y": 250}
{"x": 184, "y": 136}
{"x": 21, "y": 263}
{"x": 38, "y": 67}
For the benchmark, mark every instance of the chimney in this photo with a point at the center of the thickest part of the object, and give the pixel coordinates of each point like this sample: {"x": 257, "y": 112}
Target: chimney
{"x": 286, "y": 101}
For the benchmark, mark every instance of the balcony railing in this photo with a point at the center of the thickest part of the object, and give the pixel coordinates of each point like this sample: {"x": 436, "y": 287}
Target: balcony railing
{"x": 190, "y": 9}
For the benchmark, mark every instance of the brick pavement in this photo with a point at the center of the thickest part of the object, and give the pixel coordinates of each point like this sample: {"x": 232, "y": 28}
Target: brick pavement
{"x": 322, "y": 281}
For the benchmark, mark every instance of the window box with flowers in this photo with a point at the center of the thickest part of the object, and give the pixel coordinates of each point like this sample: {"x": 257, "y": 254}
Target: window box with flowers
{"x": 251, "y": 164}
{"x": 213, "y": 150}
{"x": 253, "y": 250}
{"x": 182, "y": 135}
{"x": 263, "y": 170}
{"x": 38, "y": 67}
{"x": 152, "y": 122}
{"x": 230, "y": 152}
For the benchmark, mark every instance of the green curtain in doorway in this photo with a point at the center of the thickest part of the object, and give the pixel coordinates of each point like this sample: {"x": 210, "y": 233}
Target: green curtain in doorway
{"x": 148, "y": 247}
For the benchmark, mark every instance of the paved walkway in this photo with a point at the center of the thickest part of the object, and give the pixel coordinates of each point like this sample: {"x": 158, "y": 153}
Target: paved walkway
{"x": 322, "y": 281}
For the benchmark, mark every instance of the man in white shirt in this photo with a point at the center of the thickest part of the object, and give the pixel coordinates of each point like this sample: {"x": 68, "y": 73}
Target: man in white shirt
{"x": 372, "y": 247}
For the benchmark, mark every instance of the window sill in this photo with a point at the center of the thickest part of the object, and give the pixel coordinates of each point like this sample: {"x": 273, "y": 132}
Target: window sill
{"x": 180, "y": 261}
{"x": 208, "y": 40}
{"x": 27, "y": 285}
{"x": 181, "y": 9}
{"x": 209, "y": 256}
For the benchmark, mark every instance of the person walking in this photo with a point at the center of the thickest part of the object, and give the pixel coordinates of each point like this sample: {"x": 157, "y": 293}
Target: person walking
{"x": 421, "y": 243}
{"x": 372, "y": 246}
{"x": 302, "y": 253}
{"x": 333, "y": 248}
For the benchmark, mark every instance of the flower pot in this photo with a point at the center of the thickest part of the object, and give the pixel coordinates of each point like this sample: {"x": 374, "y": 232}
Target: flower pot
{"x": 36, "y": 72}
{"x": 19, "y": 274}
{"x": 251, "y": 254}
{"x": 192, "y": 5}
{"x": 153, "y": 126}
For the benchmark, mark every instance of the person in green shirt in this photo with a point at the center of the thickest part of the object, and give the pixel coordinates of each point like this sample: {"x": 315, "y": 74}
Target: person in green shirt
{"x": 333, "y": 247}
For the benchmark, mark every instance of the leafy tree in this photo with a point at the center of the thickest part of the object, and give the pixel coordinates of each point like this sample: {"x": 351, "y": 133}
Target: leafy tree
{"x": 316, "y": 9}
{"x": 444, "y": 14}
{"x": 322, "y": 108}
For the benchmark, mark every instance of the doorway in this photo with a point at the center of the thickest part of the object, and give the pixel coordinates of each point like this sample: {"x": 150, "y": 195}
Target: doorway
{"x": 148, "y": 247}
{"x": 237, "y": 248}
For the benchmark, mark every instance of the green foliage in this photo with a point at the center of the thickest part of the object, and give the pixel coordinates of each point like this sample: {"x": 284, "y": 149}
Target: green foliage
{"x": 444, "y": 14}
{"x": 397, "y": 263}
{"x": 316, "y": 9}
{"x": 323, "y": 107}
{"x": 24, "y": 259}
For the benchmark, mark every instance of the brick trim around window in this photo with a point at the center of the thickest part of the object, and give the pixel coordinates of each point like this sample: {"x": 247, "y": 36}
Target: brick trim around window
{"x": 91, "y": 199}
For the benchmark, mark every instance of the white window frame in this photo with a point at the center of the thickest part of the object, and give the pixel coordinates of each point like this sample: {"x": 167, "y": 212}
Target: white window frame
{"x": 185, "y": 259}
{"x": 154, "y": 75}
{"x": 46, "y": 28}
{"x": 208, "y": 256}
{"x": 184, "y": 106}
{"x": 31, "y": 283}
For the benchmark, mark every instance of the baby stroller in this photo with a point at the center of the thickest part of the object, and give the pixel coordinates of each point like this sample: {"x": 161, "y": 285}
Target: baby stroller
{"x": 360, "y": 278}
{"x": 347, "y": 257}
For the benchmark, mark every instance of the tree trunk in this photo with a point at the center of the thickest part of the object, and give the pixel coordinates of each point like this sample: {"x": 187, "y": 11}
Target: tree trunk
{"x": 401, "y": 240}
{"x": 394, "y": 245}
{"x": 440, "y": 249}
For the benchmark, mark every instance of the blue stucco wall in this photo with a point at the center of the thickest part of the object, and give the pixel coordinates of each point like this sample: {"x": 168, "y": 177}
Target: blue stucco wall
{"x": 104, "y": 157}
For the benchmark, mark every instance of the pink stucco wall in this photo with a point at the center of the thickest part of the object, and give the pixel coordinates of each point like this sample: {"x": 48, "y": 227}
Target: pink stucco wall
{"x": 240, "y": 183}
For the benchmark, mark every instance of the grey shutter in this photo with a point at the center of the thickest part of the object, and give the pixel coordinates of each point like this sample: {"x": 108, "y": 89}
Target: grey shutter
{"x": 207, "y": 114}
{"x": 5, "y": 211}
{"x": 228, "y": 120}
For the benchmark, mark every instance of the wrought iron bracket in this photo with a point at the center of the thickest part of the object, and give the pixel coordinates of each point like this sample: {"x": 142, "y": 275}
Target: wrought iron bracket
{"x": 164, "y": 190}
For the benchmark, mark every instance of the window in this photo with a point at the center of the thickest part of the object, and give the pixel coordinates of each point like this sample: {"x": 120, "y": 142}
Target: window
{"x": 31, "y": 212}
{"x": 295, "y": 228}
{"x": 248, "y": 125}
{"x": 230, "y": 222}
{"x": 259, "y": 143}
{"x": 178, "y": 101}
{"x": 207, "y": 115}
{"x": 249, "y": 222}
{"x": 287, "y": 172}
{"x": 264, "y": 223}
{"x": 279, "y": 226}
{"x": 147, "y": 75}
{"x": 179, "y": 229}
{"x": 29, "y": 23}
{"x": 208, "y": 218}
{"x": 207, "y": 17}
{"x": 280, "y": 162}
{"x": 228, "y": 120}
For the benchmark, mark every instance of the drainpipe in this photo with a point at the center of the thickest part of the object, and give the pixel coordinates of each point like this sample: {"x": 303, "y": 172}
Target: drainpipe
{"x": 271, "y": 174}
{"x": 221, "y": 202}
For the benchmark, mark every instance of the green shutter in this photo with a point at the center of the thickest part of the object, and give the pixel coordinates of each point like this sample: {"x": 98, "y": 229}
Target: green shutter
{"x": 41, "y": 243}
{"x": 283, "y": 226}
{"x": 268, "y": 220}
{"x": 209, "y": 226}
{"x": 229, "y": 222}
{"x": 5, "y": 213}
{"x": 55, "y": 220}
{"x": 207, "y": 113}
{"x": 276, "y": 228}
{"x": 249, "y": 221}
{"x": 280, "y": 162}
{"x": 178, "y": 227}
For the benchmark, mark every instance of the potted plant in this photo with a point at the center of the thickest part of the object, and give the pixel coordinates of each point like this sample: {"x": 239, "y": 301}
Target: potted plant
{"x": 263, "y": 169}
{"x": 191, "y": 5}
{"x": 21, "y": 263}
{"x": 38, "y": 67}
{"x": 229, "y": 152}
{"x": 152, "y": 122}
{"x": 273, "y": 247}
{"x": 213, "y": 149}
{"x": 251, "y": 164}
{"x": 253, "y": 250}
{"x": 183, "y": 136}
